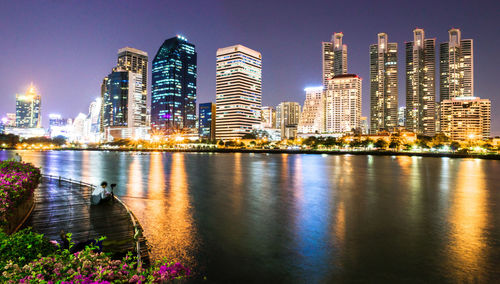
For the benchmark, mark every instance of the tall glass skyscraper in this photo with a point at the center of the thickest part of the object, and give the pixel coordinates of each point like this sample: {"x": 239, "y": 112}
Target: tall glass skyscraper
{"x": 383, "y": 85}
{"x": 420, "y": 84}
{"x": 173, "y": 89}
{"x": 334, "y": 58}
{"x": 206, "y": 124}
{"x": 28, "y": 109}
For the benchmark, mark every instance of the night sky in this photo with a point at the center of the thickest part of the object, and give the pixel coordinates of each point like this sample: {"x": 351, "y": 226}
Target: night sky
{"x": 66, "y": 47}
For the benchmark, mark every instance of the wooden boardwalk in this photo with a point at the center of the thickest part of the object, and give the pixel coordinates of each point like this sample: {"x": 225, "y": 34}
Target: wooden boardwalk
{"x": 65, "y": 205}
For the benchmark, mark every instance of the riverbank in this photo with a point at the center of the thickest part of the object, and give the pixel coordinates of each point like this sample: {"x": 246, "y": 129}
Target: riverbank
{"x": 488, "y": 156}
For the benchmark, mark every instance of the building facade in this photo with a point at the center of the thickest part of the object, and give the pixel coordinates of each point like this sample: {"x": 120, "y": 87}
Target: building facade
{"x": 135, "y": 60}
{"x": 466, "y": 118}
{"x": 238, "y": 91}
{"x": 383, "y": 85}
{"x": 28, "y": 109}
{"x": 206, "y": 123}
{"x": 173, "y": 88}
{"x": 420, "y": 84}
{"x": 287, "y": 119}
{"x": 268, "y": 114}
{"x": 456, "y": 74}
{"x": 312, "y": 119}
{"x": 334, "y": 57}
{"x": 343, "y": 104}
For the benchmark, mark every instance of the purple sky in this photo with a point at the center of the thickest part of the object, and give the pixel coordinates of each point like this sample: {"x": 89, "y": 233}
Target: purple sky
{"x": 66, "y": 47}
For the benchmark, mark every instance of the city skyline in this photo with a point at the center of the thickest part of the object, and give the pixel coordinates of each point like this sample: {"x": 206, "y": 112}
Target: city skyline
{"x": 278, "y": 86}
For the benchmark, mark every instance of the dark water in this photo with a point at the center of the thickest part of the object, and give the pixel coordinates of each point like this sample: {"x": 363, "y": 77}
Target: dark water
{"x": 307, "y": 218}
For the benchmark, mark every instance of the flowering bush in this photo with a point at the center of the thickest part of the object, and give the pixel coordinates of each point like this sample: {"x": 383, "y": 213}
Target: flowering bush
{"x": 17, "y": 183}
{"x": 23, "y": 247}
{"x": 90, "y": 267}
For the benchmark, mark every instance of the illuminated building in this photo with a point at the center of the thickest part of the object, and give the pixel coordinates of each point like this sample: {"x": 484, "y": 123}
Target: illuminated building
{"x": 59, "y": 126}
{"x": 238, "y": 91}
{"x": 173, "y": 89}
{"x": 343, "y": 104}
{"x": 122, "y": 105}
{"x": 466, "y": 118}
{"x": 334, "y": 57}
{"x": 420, "y": 84}
{"x": 456, "y": 66}
{"x": 312, "y": 119}
{"x": 363, "y": 124}
{"x": 401, "y": 116}
{"x": 10, "y": 120}
{"x": 383, "y": 85}
{"x": 28, "y": 109}
{"x": 206, "y": 121}
{"x": 268, "y": 117}
{"x": 287, "y": 119}
{"x": 135, "y": 60}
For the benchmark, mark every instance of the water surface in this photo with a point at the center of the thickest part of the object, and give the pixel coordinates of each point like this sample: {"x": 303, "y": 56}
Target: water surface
{"x": 239, "y": 217}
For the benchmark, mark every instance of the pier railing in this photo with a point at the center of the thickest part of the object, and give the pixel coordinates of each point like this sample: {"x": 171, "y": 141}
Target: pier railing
{"x": 137, "y": 227}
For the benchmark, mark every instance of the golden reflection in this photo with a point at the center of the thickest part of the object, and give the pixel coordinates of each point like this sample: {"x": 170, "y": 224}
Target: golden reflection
{"x": 237, "y": 170}
{"x": 468, "y": 219}
{"x": 134, "y": 183}
{"x": 156, "y": 189}
{"x": 340, "y": 224}
{"x": 177, "y": 228}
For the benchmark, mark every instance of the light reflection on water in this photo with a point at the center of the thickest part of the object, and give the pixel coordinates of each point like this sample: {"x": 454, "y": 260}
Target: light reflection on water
{"x": 306, "y": 218}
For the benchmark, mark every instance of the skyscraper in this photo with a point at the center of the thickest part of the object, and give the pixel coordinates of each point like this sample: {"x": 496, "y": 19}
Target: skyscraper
{"x": 135, "y": 60}
{"x": 456, "y": 67}
{"x": 312, "y": 119}
{"x": 334, "y": 57}
{"x": 287, "y": 119}
{"x": 173, "y": 88}
{"x": 122, "y": 105}
{"x": 383, "y": 85}
{"x": 238, "y": 91}
{"x": 420, "y": 84}
{"x": 343, "y": 104}
{"x": 268, "y": 117}
{"x": 28, "y": 109}
{"x": 206, "y": 123}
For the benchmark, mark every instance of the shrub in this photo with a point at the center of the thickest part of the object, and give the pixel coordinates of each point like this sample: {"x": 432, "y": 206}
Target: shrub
{"x": 23, "y": 247}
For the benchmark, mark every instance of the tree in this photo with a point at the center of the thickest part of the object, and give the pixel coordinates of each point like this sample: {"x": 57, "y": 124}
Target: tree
{"x": 394, "y": 144}
{"x": 454, "y": 146}
{"x": 381, "y": 144}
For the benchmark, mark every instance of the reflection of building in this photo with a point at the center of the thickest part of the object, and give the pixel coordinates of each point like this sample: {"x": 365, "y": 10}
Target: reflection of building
{"x": 287, "y": 119}
{"x": 268, "y": 117}
{"x": 173, "y": 88}
{"x": 420, "y": 84}
{"x": 383, "y": 85}
{"x": 312, "y": 119}
{"x": 334, "y": 58}
{"x": 238, "y": 91}
{"x": 456, "y": 67}
{"x": 28, "y": 109}
{"x": 206, "y": 125}
{"x": 343, "y": 104}
{"x": 464, "y": 118}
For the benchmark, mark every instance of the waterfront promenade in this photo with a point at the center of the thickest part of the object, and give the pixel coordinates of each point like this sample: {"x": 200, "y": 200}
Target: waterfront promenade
{"x": 65, "y": 205}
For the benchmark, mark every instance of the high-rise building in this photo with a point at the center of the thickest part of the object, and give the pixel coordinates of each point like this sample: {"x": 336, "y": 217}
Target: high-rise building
{"x": 28, "y": 109}
{"x": 238, "y": 91}
{"x": 466, "y": 118}
{"x": 122, "y": 105}
{"x": 334, "y": 57}
{"x": 420, "y": 84}
{"x": 343, "y": 104}
{"x": 268, "y": 114}
{"x": 401, "y": 116}
{"x": 206, "y": 122}
{"x": 287, "y": 119}
{"x": 173, "y": 88}
{"x": 456, "y": 66}
{"x": 11, "y": 120}
{"x": 363, "y": 124}
{"x": 312, "y": 119}
{"x": 135, "y": 60}
{"x": 383, "y": 85}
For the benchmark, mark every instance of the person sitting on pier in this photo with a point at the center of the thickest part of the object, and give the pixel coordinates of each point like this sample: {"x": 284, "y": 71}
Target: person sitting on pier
{"x": 100, "y": 194}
